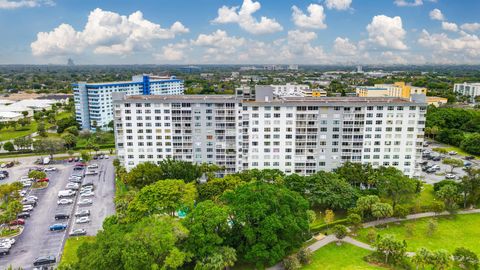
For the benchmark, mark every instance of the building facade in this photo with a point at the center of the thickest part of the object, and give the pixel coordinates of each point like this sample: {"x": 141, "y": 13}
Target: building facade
{"x": 471, "y": 90}
{"x": 398, "y": 89}
{"x": 293, "y": 134}
{"x": 93, "y": 101}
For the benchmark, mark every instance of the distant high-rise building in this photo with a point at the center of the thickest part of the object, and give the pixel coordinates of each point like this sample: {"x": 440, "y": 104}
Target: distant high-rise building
{"x": 359, "y": 69}
{"x": 471, "y": 90}
{"x": 292, "y": 67}
{"x": 93, "y": 101}
{"x": 70, "y": 62}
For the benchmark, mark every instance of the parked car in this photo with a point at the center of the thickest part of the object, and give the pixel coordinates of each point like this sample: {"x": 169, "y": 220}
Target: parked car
{"x": 64, "y": 201}
{"x": 76, "y": 159}
{"x": 437, "y": 158}
{"x": 431, "y": 170}
{"x": 84, "y": 202}
{"x": 82, "y": 213}
{"x": 27, "y": 208}
{"x": 5, "y": 245}
{"x": 31, "y": 197}
{"x": 29, "y": 202}
{"x": 10, "y": 241}
{"x": 23, "y": 215}
{"x": 75, "y": 180}
{"x": 78, "y": 232}
{"x": 70, "y": 159}
{"x": 467, "y": 164}
{"x": 17, "y": 222}
{"x": 58, "y": 227}
{"x": 26, "y": 183}
{"x": 452, "y": 153}
{"x": 2, "y": 176}
{"x": 49, "y": 169}
{"x": 44, "y": 260}
{"x": 91, "y": 173}
{"x": 81, "y": 164}
{"x": 106, "y": 156}
{"x": 62, "y": 216}
{"x": 426, "y": 144}
{"x": 95, "y": 157}
{"x": 77, "y": 168}
{"x": 66, "y": 193}
{"x": 92, "y": 166}
{"x": 4, "y": 251}
{"x": 467, "y": 158}
{"x": 101, "y": 156}
{"x": 4, "y": 173}
{"x": 82, "y": 220}
{"x": 43, "y": 180}
{"x": 22, "y": 193}
{"x": 72, "y": 186}
{"x": 9, "y": 164}
{"x": 450, "y": 176}
{"x": 87, "y": 194}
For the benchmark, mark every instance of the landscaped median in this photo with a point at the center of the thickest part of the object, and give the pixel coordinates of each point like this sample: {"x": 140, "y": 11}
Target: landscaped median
{"x": 69, "y": 255}
{"x": 9, "y": 232}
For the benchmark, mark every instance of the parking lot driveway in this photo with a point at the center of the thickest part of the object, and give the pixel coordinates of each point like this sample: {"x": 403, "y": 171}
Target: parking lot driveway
{"x": 37, "y": 240}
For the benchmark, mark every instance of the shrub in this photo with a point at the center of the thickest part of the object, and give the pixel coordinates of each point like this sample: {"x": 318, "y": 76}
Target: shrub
{"x": 291, "y": 263}
{"x": 304, "y": 255}
{"x": 401, "y": 211}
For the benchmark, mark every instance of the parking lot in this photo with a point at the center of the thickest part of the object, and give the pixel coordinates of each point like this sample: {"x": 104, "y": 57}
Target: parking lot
{"x": 431, "y": 178}
{"x": 36, "y": 239}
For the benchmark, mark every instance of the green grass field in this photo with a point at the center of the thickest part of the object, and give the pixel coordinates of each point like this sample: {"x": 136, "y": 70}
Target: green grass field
{"x": 345, "y": 257}
{"x": 459, "y": 151}
{"x": 451, "y": 233}
{"x": 69, "y": 255}
{"x": 10, "y": 133}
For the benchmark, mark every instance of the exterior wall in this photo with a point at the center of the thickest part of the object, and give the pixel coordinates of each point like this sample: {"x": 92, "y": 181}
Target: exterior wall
{"x": 398, "y": 89}
{"x": 288, "y": 89}
{"x": 436, "y": 101}
{"x": 295, "y": 137}
{"x": 93, "y": 102}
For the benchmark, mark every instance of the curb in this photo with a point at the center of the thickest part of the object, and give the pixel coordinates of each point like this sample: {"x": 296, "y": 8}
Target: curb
{"x": 14, "y": 235}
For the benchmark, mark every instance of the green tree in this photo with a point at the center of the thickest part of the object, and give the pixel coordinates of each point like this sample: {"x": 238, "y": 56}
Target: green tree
{"x": 49, "y": 145}
{"x": 312, "y": 216}
{"x": 268, "y": 222}
{"x": 422, "y": 258}
{"x": 357, "y": 174}
{"x": 453, "y": 163}
{"x": 450, "y": 196}
{"x": 304, "y": 256}
{"x": 392, "y": 184}
{"x": 323, "y": 190}
{"x": 8, "y": 146}
{"x": 401, "y": 211}
{"x": 471, "y": 144}
{"x": 152, "y": 243}
{"x": 465, "y": 259}
{"x": 355, "y": 221}
{"x": 85, "y": 155}
{"x": 440, "y": 259}
{"x": 470, "y": 186}
{"x": 162, "y": 197}
{"x": 143, "y": 174}
{"x": 70, "y": 140}
{"x": 365, "y": 204}
{"x": 37, "y": 175}
{"x": 23, "y": 143}
{"x": 340, "y": 231}
{"x": 382, "y": 210}
{"x": 72, "y": 130}
{"x": 224, "y": 258}
{"x": 42, "y": 131}
{"x": 291, "y": 263}
{"x": 178, "y": 169}
{"x": 390, "y": 249}
{"x": 431, "y": 227}
{"x": 208, "y": 226}
{"x": 64, "y": 123}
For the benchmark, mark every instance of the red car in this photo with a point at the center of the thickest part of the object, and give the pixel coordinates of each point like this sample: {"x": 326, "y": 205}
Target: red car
{"x": 43, "y": 180}
{"x": 81, "y": 164}
{"x": 17, "y": 222}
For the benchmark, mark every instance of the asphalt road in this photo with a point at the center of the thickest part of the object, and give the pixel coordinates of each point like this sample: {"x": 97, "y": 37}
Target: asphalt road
{"x": 36, "y": 239}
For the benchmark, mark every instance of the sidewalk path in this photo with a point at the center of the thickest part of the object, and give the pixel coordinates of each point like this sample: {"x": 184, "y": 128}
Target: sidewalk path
{"x": 331, "y": 238}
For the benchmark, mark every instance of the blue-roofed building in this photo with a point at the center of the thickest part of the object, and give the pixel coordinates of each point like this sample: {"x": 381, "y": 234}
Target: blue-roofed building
{"x": 93, "y": 101}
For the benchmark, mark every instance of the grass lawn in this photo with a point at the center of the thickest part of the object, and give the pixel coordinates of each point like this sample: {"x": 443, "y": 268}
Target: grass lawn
{"x": 69, "y": 255}
{"x": 424, "y": 199}
{"x": 10, "y": 133}
{"x": 345, "y": 257}
{"x": 459, "y": 151}
{"x": 451, "y": 233}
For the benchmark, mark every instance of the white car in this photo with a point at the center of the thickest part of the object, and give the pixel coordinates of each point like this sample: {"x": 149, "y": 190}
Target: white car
{"x": 5, "y": 245}
{"x": 49, "y": 169}
{"x": 66, "y": 193}
{"x": 87, "y": 194}
{"x": 31, "y": 198}
{"x": 72, "y": 186}
{"x": 92, "y": 166}
{"x": 82, "y": 220}
{"x": 26, "y": 178}
{"x": 91, "y": 173}
{"x": 85, "y": 202}
{"x": 450, "y": 176}
{"x": 64, "y": 201}
{"x": 27, "y": 183}
{"x": 452, "y": 153}
{"x": 22, "y": 193}
{"x": 106, "y": 156}
{"x": 27, "y": 208}
{"x": 11, "y": 241}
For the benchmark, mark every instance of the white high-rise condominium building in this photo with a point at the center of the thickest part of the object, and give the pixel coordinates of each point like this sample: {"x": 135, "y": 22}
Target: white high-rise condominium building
{"x": 291, "y": 90}
{"x": 471, "y": 90}
{"x": 294, "y": 134}
{"x": 93, "y": 101}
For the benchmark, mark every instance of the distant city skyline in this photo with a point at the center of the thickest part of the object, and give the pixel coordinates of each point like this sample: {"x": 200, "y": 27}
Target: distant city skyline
{"x": 240, "y": 32}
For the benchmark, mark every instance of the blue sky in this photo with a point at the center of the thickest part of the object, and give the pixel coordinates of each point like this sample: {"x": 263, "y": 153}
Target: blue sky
{"x": 240, "y": 32}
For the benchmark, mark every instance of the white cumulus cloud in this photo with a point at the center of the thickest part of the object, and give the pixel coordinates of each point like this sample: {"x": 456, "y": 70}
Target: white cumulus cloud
{"x": 218, "y": 44}
{"x": 314, "y": 20}
{"x": 406, "y": 3}
{"x": 243, "y": 16}
{"x": 387, "y": 32}
{"x": 436, "y": 14}
{"x": 448, "y": 26}
{"x": 173, "y": 52}
{"x": 14, "y": 4}
{"x": 343, "y": 46}
{"x": 338, "y": 4}
{"x": 470, "y": 27}
{"x": 466, "y": 44}
{"x": 106, "y": 33}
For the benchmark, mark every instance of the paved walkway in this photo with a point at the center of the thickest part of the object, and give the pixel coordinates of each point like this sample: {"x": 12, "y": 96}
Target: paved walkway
{"x": 331, "y": 238}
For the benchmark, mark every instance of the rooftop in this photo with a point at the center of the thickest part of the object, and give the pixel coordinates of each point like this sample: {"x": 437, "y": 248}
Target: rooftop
{"x": 232, "y": 98}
